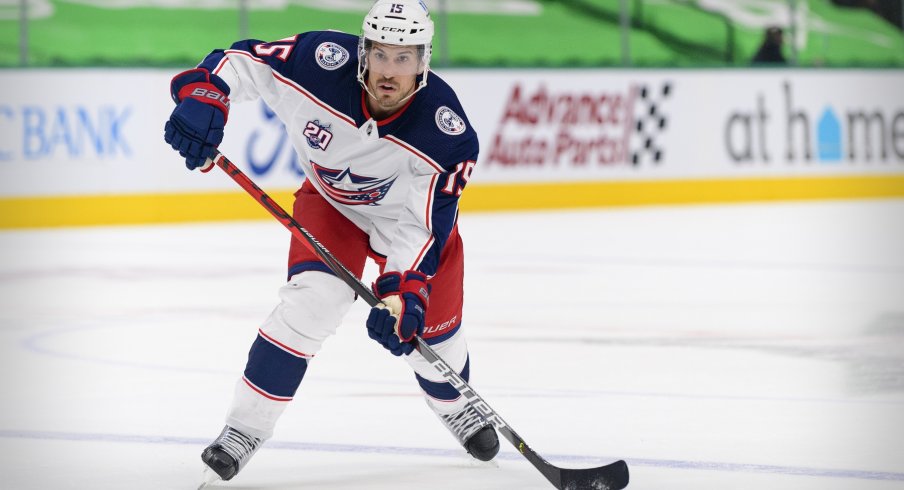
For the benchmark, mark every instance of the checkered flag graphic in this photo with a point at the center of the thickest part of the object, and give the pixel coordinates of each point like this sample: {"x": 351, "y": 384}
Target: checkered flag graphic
{"x": 650, "y": 121}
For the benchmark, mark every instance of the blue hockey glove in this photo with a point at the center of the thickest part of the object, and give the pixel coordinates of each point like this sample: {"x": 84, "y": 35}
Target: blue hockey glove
{"x": 396, "y": 322}
{"x": 195, "y": 128}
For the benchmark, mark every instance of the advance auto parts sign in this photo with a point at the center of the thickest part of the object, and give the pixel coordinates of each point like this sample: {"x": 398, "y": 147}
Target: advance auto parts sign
{"x": 574, "y": 125}
{"x": 579, "y": 128}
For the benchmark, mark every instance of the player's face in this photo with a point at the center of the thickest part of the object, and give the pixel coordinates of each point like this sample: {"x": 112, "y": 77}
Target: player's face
{"x": 392, "y": 74}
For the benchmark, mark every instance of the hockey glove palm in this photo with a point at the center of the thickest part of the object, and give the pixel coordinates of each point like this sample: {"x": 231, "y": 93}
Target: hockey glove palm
{"x": 195, "y": 128}
{"x": 396, "y": 322}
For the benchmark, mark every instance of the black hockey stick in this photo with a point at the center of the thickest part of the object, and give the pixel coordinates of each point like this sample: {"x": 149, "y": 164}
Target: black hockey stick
{"x": 613, "y": 476}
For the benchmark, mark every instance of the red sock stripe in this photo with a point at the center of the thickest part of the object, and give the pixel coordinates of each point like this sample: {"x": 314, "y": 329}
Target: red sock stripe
{"x": 264, "y": 393}
{"x": 284, "y": 346}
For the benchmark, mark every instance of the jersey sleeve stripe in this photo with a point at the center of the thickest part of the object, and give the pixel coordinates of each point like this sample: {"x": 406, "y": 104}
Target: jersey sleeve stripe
{"x": 220, "y": 64}
{"x": 428, "y": 215}
{"x": 428, "y": 222}
{"x": 420, "y": 256}
{"x": 418, "y": 154}
{"x": 296, "y": 87}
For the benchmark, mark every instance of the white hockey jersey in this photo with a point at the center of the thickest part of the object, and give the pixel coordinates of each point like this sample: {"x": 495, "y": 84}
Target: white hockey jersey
{"x": 397, "y": 179}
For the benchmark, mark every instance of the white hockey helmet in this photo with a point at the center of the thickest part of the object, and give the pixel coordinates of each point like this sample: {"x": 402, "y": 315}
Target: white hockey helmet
{"x": 400, "y": 23}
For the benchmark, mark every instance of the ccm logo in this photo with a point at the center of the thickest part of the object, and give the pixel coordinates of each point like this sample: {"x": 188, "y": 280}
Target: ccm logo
{"x": 210, "y": 94}
{"x": 393, "y": 29}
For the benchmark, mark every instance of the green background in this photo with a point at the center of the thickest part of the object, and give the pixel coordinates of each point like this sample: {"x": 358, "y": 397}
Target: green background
{"x": 566, "y": 33}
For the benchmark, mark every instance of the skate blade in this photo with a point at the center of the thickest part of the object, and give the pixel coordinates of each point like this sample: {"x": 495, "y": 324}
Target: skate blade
{"x": 209, "y": 476}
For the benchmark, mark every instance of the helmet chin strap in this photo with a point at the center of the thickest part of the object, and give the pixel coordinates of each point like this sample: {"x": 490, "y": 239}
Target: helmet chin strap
{"x": 420, "y": 85}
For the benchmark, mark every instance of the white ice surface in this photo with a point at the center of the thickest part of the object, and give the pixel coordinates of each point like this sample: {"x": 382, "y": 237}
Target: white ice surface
{"x": 721, "y": 347}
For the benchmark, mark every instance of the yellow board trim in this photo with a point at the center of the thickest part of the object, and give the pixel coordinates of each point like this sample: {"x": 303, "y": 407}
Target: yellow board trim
{"x": 673, "y": 192}
{"x": 62, "y": 211}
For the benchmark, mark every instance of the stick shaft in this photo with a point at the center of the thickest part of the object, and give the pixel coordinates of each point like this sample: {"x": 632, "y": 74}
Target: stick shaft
{"x": 301, "y": 234}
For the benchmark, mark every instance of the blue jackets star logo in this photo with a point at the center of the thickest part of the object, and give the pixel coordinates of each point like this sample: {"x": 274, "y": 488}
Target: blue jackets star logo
{"x": 345, "y": 187}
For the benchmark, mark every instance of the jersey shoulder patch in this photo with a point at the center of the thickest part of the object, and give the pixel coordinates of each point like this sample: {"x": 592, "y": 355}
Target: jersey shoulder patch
{"x": 331, "y": 56}
{"x": 449, "y": 122}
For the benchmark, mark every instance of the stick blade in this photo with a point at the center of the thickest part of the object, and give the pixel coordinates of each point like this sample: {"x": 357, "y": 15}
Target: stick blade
{"x": 613, "y": 476}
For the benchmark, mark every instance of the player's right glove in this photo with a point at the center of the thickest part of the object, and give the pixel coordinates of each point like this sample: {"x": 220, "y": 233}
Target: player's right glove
{"x": 195, "y": 128}
{"x": 400, "y": 317}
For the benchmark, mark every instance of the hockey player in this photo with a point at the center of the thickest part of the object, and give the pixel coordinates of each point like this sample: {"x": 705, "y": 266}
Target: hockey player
{"x": 387, "y": 151}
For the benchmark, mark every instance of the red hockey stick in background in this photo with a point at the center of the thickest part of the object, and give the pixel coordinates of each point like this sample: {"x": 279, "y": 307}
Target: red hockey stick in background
{"x": 613, "y": 476}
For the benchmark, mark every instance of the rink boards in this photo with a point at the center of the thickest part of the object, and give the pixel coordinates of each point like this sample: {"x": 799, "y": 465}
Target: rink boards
{"x": 85, "y": 146}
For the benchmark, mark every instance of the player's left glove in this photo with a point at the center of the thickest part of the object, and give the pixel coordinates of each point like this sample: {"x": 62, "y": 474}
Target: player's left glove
{"x": 396, "y": 322}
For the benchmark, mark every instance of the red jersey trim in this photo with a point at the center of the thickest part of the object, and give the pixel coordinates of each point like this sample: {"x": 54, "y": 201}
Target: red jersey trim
{"x": 418, "y": 154}
{"x": 383, "y": 122}
{"x": 428, "y": 222}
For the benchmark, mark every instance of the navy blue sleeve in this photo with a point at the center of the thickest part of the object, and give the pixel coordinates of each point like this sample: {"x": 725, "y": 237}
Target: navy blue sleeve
{"x": 323, "y": 62}
{"x": 446, "y": 195}
{"x": 278, "y": 54}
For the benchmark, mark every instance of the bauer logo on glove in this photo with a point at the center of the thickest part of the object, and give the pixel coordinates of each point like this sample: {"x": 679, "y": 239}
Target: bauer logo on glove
{"x": 210, "y": 94}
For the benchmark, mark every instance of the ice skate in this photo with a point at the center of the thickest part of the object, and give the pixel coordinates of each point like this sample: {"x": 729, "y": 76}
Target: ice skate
{"x": 474, "y": 433}
{"x": 227, "y": 455}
